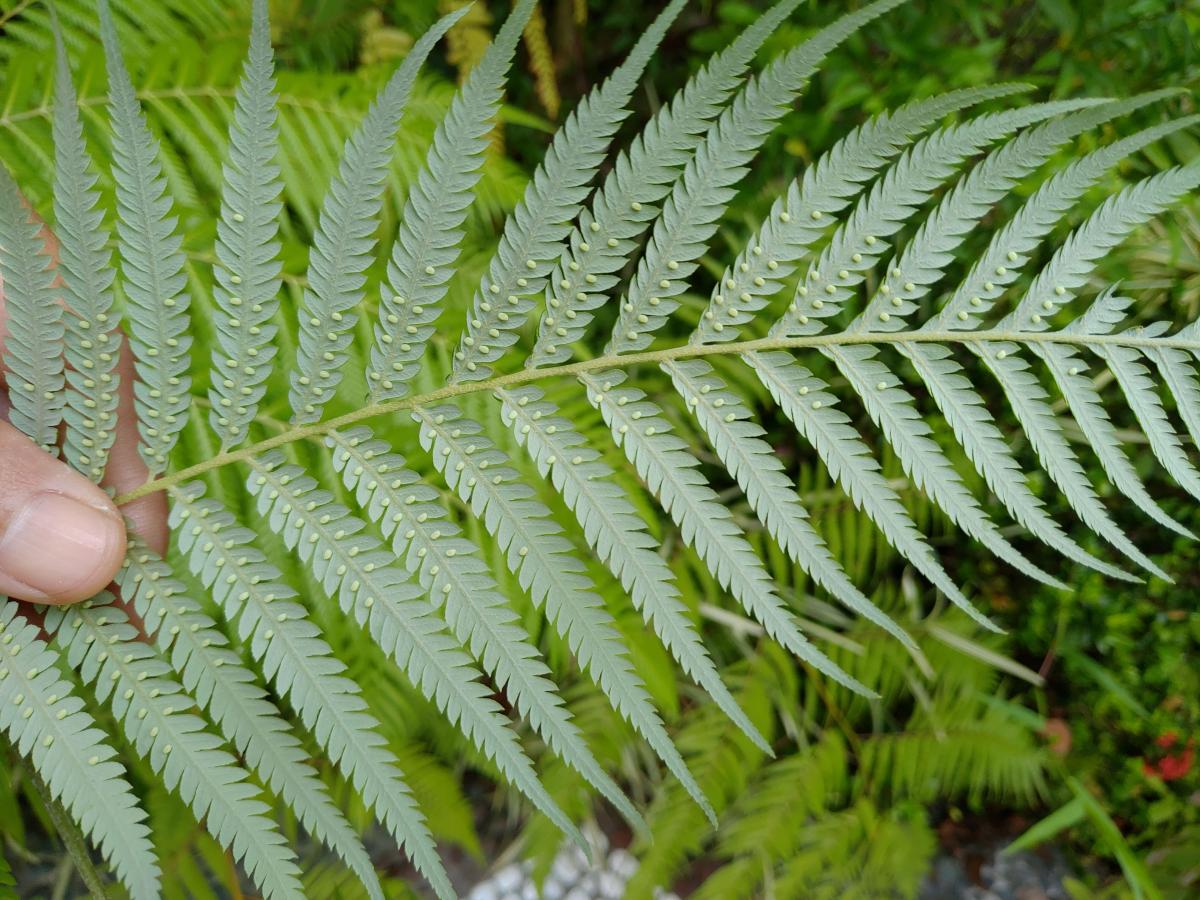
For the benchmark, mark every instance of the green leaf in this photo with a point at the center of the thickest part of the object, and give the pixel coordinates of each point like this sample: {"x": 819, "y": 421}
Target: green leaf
{"x": 303, "y": 666}
{"x": 247, "y": 270}
{"x": 96, "y": 638}
{"x": 448, "y": 568}
{"x": 534, "y": 231}
{"x": 354, "y": 568}
{"x": 345, "y": 237}
{"x": 213, "y": 673}
{"x": 642, "y": 176}
{"x": 47, "y": 722}
{"x": 33, "y": 348}
{"x": 87, "y": 277}
{"x": 151, "y": 265}
{"x": 424, "y": 254}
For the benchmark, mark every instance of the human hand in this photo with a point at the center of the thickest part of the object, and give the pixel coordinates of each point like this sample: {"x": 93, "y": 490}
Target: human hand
{"x": 61, "y": 538}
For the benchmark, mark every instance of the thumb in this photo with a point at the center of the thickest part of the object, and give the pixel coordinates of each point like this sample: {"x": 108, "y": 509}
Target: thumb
{"x": 61, "y": 538}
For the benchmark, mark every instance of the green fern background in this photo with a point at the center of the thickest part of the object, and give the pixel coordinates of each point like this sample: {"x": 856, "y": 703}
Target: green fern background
{"x": 866, "y": 772}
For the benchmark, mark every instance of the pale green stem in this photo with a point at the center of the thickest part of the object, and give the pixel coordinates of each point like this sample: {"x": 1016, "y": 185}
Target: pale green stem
{"x": 687, "y": 351}
{"x": 180, "y": 93}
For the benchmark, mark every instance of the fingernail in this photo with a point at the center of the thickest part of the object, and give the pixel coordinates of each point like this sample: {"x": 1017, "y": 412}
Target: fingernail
{"x": 60, "y": 548}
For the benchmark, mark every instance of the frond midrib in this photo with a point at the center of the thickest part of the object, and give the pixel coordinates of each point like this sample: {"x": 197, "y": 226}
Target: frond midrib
{"x": 652, "y": 357}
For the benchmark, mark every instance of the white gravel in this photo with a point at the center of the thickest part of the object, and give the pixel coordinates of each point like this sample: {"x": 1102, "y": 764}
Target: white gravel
{"x": 570, "y": 878}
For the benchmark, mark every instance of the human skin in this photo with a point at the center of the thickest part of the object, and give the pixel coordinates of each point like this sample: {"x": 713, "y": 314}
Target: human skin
{"x": 61, "y": 538}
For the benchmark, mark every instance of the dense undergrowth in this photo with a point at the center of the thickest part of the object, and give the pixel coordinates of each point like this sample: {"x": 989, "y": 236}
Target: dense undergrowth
{"x": 1086, "y": 707}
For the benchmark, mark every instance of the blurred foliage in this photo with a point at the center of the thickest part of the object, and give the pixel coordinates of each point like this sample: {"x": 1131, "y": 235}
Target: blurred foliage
{"x": 843, "y": 809}
{"x": 1123, "y": 700}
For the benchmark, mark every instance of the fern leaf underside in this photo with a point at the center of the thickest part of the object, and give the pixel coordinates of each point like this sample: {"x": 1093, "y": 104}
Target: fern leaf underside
{"x": 398, "y": 555}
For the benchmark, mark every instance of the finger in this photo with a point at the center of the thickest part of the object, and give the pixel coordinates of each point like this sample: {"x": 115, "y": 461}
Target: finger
{"x": 61, "y": 538}
{"x": 147, "y": 515}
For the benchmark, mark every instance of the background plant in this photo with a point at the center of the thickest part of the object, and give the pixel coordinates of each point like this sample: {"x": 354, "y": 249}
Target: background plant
{"x": 850, "y": 533}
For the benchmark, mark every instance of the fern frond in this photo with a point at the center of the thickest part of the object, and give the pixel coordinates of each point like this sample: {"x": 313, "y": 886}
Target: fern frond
{"x": 664, "y": 462}
{"x": 792, "y": 225}
{"x": 426, "y": 579}
{"x": 1083, "y": 399}
{"x": 448, "y": 568}
{"x": 613, "y": 528}
{"x": 905, "y": 282}
{"x": 610, "y": 524}
{"x": 1031, "y": 407}
{"x": 907, "y": 278}
{"x": 247, "y": 278}
{"x": 546, "y": 569}
{"x": 550, "y": 203}
{"x": 222, "y": 555}
{"x": 424, "y": 254}
{"x": 345, "y": 236}
{"x": 769, "y": 258}
{"x": 33, "y": 349}
{"x": 827, "y": 187}
{"x": 894, "y": 409}
{"x": 1051, "y": 289}
{"x": 520, "y": 268}
{"x": 741, "y": 445}
{"x": 541, "y": 63}
{"x": 968, "y": 416}
{"x": 1179, "y": 376}
{"x": 924, "y": 167}
{"x": 702, "y": 192}
{"x": 994, "y": 270}
{"x": 688, "y": 220}
{"x": 642, "y": 176}
{"x": 829, "y": 283}
{"x": 533, "y": 233}
{"x": 595, "y": 126}
{"x": 1141, "y": 394}
{"x": 29, "y": 25}
{"x": 361, "y": 575}
{"x": 963, "y": 407}
{"x": 46, "y": 721}
{"x": 691, "y": 211}
{"x": 925, "y": 258}
{"x": 151, "y": 265}
{"x": 96, "y": 638}
{"x": 977, "y": 759}
{"x": 1076, "y": 258}
{"x": 90, "y": 415}
{"x": 213, "y": 673}
{"x": 807, "y": 401}
{"x": 480, "y": 473}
